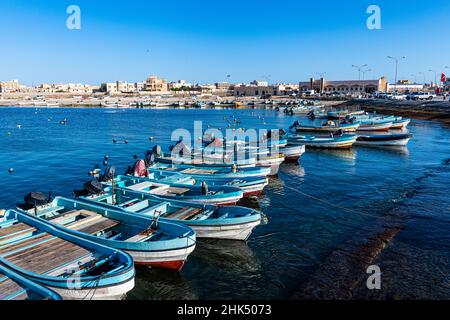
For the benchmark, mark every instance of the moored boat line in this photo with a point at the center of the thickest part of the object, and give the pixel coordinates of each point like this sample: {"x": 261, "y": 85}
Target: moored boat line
{"x": 208, "y": 221}
{"x": 159, "y": 244}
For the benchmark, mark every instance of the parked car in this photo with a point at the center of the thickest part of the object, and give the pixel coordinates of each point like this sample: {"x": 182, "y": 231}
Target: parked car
{"x": 397, "y": 96}
{"x": 421, "y": 96}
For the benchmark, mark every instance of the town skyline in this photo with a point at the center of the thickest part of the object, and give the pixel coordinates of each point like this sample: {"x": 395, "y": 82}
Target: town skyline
{"x": 203, "y": 43}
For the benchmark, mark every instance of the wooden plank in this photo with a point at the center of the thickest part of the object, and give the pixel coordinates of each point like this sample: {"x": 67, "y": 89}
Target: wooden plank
{"x": 100, "y": 225}
{"x": 46, "y": 257}
{"x": 8, "y": 287}
{"x": 142, "y": 235}
{"x": 184, "y": 213}
{"x": 141, "y": 185}
{"x": 22, "y": 244}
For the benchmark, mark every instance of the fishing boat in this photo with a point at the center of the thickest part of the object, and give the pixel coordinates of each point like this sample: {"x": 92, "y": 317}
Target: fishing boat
{"x": 334, "y": 142}
{"x": 158, "y": 244}
{"x": 272, "y": 162}
{"x": 340, "y": 114}
{"x": 212, "y": 173}
{"x": 251, "y": 186}
{"x": 370, "y": 125}
{"x": 73, "y": 267}
{"x": 292, "y": 152}
{"x": 208, "y": 221}
{"x": 13, "y": 286}
{"x": 329, "y": 126}
{"x": 391, "y": 139}
{"x": 218, "y": 195}
{"x": 400, "y": 123}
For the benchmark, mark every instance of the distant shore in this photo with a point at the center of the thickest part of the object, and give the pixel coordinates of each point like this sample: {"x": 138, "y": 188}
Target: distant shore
{"x": 429, "y": 110}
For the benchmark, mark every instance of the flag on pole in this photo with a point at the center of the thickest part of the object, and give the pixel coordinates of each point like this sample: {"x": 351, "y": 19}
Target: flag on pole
{"x": 443, "y": 77}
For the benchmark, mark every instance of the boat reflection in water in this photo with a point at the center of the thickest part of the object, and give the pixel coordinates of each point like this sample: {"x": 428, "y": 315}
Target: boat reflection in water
{"x": 234, "y": 256}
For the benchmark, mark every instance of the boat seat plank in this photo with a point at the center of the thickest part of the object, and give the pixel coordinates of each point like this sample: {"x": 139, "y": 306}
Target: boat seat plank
{"x": 100, "y": 225}
{"x": 141, "y": 185}
{"x": 184, "y": 213}
{"x": 141, "y": 236}
{"x": 198, "y": 171}
{"x": 9, "y": 287}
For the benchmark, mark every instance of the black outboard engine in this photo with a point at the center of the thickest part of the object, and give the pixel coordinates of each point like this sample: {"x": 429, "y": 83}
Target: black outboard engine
{"x": 36, "y": 199}
{"x": 281, "y": 132}
{"x": 108, "y": 174}
{"x": 149, "y": 158}
{"x": 93, "y": 187}
{"x": 157, "y": 150}
{"x": 295, "y": 124}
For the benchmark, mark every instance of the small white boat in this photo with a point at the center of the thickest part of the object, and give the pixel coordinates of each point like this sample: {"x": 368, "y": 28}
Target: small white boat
{"x": 375, "y": 126}
{"x": 399, "y": 139}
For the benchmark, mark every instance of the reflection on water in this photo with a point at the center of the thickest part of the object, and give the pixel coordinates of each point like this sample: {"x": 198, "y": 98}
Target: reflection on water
{"x": 314, "y": 206}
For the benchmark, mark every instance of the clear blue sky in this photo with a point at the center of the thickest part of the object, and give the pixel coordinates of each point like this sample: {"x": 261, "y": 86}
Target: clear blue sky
{"x": 203, "y": 40}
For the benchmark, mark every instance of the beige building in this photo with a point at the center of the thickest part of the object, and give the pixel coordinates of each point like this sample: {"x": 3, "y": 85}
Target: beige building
{"x": 346, "y": 86}
{"x": 262, "y": 88}
{"x": 9, "y": 86}
{"x": 153, "y": 84}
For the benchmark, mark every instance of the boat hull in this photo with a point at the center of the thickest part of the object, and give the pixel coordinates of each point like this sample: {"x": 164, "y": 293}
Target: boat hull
{"x": 376, "y": 127}
{"x": 400, "y": 124}
{"x": 171, "y": 259}
{"x": 226, "y": 232}
{"x": 115, "y": 292}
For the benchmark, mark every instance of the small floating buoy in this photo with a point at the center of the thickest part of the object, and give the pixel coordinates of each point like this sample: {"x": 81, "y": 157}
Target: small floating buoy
{"x": 105, "y": 162}
{"x": 135, "y": 157}
{"x": 106, "y": 157}
{"x": 19, "y": 126}
{"x": 126, "y": 141}
{"x": 151, "y": 138}
{"x": 11, "y": 170}
{"x": 114, "y": 140}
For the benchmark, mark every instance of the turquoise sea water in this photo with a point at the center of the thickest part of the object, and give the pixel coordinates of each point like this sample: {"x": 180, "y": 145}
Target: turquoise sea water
{"x": 314, "y": 208}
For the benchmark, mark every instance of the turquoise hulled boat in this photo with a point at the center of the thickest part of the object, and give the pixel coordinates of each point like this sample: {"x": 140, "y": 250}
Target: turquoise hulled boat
{"x": 330, "y": 126}
{"x": 250, "y": 186}
{"x": 208, "y": 221}
{"x": 160, "y": 186}
{"x": 211, "y": 172}
{"x": 334, "y": 142}
{"x": 13, "y": 286}
{"x": 73, "y": 267}
{"x": 152, "y": 243}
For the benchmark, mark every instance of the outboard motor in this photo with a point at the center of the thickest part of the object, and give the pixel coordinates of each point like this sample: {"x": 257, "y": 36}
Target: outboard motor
{"x": 108, "y": 174}
{"x": 282, "y": 132}
{"x": 295, "y": 124}
{"x": 157, "y": 150}
{"x": 149, "y": 158}
{"x": 36, "y": 199}
{"x": 140, "y": 169}
{"x": 93, "y": 187}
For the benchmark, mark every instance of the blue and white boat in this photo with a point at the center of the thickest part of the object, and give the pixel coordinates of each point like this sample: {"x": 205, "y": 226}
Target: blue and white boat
{"x": 164, "y": 188}
{"x": 211, "y": 172}
{"x": 152, "y": 243}
{"x": 73, "y": 267}
{"x": 208, "y": 221}
{"x": 388, "y": 139}
{"x": 13, "y": 286}
{"x": 251, "y": 186}
{"x": 344, "y": 141}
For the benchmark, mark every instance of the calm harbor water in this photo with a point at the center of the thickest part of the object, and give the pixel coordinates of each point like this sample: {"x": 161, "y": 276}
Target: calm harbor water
{"x": 314, "y": 208}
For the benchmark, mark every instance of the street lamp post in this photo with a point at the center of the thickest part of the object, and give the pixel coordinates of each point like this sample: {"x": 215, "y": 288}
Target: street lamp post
{"x": 396, "y": 67}
{"x": 435, "y": 75}
{"x": 364, "y": 73}
{"x": 359, "y": 68}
